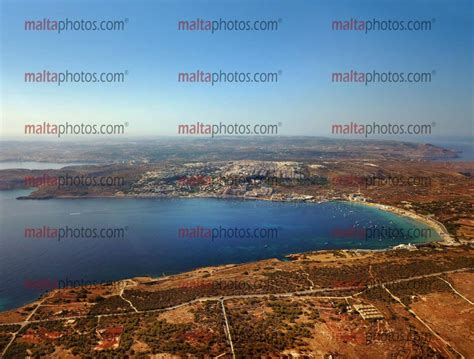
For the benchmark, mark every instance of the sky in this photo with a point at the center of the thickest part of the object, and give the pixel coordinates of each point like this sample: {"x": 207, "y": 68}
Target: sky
{"x": 304, "y": 51}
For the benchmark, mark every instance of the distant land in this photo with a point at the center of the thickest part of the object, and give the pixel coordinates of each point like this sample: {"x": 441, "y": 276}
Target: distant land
{"x": 143, "y": 150}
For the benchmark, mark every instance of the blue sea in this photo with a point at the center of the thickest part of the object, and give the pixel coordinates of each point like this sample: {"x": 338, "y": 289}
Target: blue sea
{"x": 110, "y": 239}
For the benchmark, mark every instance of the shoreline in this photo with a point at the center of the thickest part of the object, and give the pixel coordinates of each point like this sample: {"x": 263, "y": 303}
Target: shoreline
{"x": 446, "y": 238}
{"x": 440, "y": 229}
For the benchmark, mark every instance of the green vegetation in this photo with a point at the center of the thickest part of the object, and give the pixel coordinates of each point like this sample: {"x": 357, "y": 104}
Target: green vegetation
{"x": 113, "y": 304}
{"x": 270, "y": 333}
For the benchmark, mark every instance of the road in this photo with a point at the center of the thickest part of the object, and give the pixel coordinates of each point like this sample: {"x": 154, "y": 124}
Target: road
{"x": 227, "y": 328}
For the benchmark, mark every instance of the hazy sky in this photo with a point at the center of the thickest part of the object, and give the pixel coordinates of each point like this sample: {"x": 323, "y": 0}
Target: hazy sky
{"x": 304, "y": 49}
